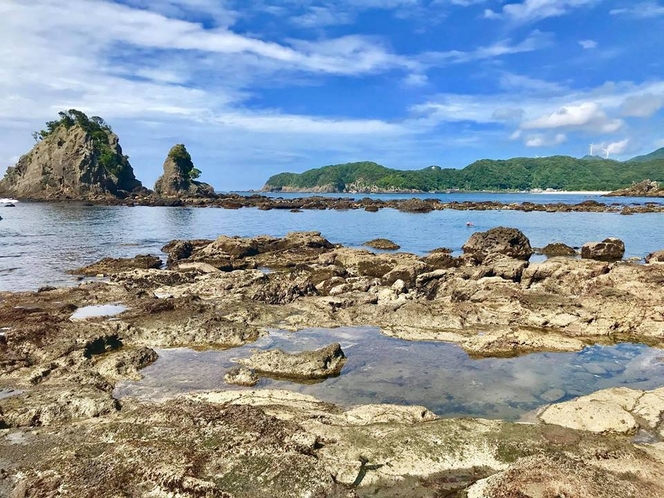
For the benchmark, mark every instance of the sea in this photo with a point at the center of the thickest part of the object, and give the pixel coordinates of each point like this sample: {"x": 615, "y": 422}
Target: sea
{"x": 41, "y": 242}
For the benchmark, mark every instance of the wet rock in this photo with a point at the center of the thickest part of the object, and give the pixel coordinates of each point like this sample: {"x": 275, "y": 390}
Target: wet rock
{"x": 109, "y": 266}
{"x": 655, "y": 257}
{"x": 241, "y": 376}
{"x": 318, "y": 364}
{"x": 557, "y": 249}
{"x": 177, "y": 250}
{"x": 610, "y": 249}
{"x": 383, "y": 244}
{"x": 127, "y": 364}
{"x": 507, "y": 241}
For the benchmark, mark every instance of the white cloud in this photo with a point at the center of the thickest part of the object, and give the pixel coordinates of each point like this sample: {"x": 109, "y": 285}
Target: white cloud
{"x": 643, "y": 10}
{"x": 588, "y": 44}
{"x": 587, "y": 115}
{"x": 534, "y": 41}
{"x": 317, "y": 17}
{"x": 416, "y": 80}
{"x": 642, "y": 106}
{"x": 535, "y": 10}
{"x": 539, "y": 140}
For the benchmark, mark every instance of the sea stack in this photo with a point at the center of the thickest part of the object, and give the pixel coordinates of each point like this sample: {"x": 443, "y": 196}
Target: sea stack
{"x": 75, "y": 158}
{"x": 179, "y": 178}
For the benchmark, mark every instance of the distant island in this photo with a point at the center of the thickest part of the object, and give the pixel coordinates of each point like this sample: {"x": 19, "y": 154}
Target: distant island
{"x": 590, "y": 173}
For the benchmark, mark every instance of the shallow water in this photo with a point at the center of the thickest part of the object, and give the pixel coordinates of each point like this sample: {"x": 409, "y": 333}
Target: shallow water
{"x": 97, "y": 310}
{"x": 440, "y": 376}
{"x": 40, "y": 242}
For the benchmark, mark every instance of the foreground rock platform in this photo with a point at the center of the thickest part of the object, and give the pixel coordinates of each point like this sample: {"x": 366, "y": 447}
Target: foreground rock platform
{"x": 63, "y": 433}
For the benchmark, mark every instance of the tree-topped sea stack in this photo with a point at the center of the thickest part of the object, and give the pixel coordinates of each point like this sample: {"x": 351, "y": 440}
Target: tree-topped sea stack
{"x": 75, "y": 157}
{"x": 179, "y": 178}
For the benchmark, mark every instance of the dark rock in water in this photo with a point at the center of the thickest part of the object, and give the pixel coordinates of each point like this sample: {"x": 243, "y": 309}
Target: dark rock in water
{"x": 75, "y": 158}
{"x": 10, "y": 205}
{"x": 500, "y": 240}
{"x": 108, "y": 266}
{"x": 383, "y": 244}
{"x": 557, "y": 249}
{"x": 416, "y": 206}
{"x": 317, "y": 364}
{"x": 655, "y": 257}
{"x": 177, "y": 250}
{"x": 611, "y": 249}
{"x": 241, "y": 376}
{"x": 180, "y": 175}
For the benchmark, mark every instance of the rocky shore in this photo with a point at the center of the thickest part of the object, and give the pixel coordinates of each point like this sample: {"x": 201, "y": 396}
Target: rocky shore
{"x": 63, "y": 433}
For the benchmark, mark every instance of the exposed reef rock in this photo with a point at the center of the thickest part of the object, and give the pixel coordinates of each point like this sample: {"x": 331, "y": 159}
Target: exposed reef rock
{"x": 500, "y": 240}
{"x": 76, "y": 158}
{"x": 317, "y": 364}
{"x": 65, "y": 430}
{"x": 382, "y": 244}
{"x": 557, "y": 249}
{"x": 610, "y": 249}
{"x": 646, "y": 188}
{"x": 179, "y": 178}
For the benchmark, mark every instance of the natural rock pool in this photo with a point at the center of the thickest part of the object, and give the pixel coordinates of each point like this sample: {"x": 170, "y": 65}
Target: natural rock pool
{"x": 440, "y": 376}
{"x": 97, "y": 310}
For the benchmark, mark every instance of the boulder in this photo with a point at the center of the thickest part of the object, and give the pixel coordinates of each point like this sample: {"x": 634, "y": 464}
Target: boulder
{"x": 77, "y": 158}
{"x": 382, "y": 244}
{"x": 557, "y": 249}
{"x": 318, "y": 364}
{"x": 415, "y": 205}
{"x": 611, "y": 249}
{"x": 655, "y": 257}
{"x": 500, "y": 240}
{"x": 179, "y": 177}
{"x": 241, "y": 376}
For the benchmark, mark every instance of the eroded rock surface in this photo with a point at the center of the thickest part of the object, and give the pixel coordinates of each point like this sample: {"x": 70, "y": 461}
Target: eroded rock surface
{"x": 506, "y": 241}
{"x": 317, "y": 364}
{"x": 179, "y": 178}
{"x": 610, "y": 249}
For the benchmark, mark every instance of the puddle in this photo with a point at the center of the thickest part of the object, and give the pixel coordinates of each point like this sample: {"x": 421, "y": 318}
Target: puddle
{"x": 9, "y": 392}
{"x": 440, "y": 376}
{"x": 97, "y": 310}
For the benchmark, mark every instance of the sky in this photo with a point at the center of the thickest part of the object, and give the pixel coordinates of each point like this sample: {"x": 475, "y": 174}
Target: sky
{"x": 254, "y": 88}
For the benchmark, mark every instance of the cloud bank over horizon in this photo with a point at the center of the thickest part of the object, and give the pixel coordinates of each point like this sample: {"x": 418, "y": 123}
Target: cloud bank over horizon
{"x": 257, "y": 88}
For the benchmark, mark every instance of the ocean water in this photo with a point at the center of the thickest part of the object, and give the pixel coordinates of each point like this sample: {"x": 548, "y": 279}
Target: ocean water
{"x": 39, "y": 243}
{"x": 440, "y": 376}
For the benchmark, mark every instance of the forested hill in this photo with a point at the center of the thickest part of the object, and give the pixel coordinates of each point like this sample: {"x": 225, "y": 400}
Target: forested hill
{"x": 523, "y": 173}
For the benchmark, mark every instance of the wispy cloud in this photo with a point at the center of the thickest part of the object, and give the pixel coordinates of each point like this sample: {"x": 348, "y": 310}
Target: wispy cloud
{"x": 641, "y": 10}
{"x": 588, "y": 44}
{"x": 535, "y": 10}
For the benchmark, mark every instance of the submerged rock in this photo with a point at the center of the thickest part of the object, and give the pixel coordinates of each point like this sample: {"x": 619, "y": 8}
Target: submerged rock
{"x": 318, "y": 364}
{"x": 611, "y": 249}
{"x": 75, "y": 158}
{"x": 179, "y": 178}
{"x": 501, "y": 240}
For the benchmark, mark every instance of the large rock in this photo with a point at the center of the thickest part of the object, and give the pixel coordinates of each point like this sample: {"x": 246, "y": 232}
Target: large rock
{"x": 557, "y": 249}
{"x": 75, "y": 158}
{"x": 646, "y": 188}
{"x": 610, "y": 249}
{"x": 655, "y": 257}
{"x": 179, "y": 176}
{"x": 500, "y": 240}
{"x": 317, "y": 364}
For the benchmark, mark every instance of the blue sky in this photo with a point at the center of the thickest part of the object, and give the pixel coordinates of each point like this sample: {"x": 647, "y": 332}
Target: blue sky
{"x": 254, "y": 88}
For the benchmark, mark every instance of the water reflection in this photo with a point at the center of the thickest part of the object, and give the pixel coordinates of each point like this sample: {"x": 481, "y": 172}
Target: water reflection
{"x": 441, "y": 376}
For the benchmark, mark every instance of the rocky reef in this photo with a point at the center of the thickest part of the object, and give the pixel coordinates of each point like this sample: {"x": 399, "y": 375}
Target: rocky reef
{"x": 63, "y": 431}
{"x": 77, "y": 158}
{"x": 646, "y": 188}
{"x": 179, "y": 178}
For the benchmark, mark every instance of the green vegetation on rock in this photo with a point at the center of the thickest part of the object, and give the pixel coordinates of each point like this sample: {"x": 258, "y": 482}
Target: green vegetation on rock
{"x": 523, "y": 173}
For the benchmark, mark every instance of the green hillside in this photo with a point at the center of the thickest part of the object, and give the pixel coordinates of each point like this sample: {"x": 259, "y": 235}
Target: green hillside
{"x": 522, "y": 173}
{"x": 658, "y": 154}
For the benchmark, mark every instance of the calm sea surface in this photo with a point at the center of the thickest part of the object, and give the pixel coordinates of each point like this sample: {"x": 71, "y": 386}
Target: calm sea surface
{"x": 40, "y": 242}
